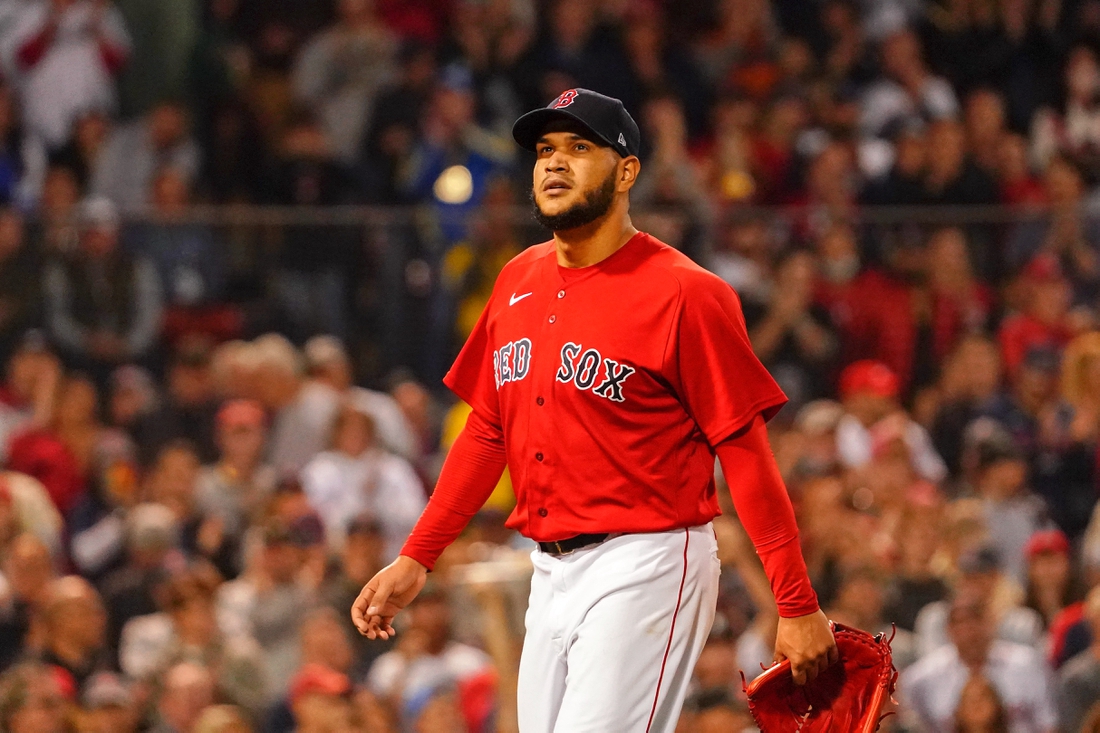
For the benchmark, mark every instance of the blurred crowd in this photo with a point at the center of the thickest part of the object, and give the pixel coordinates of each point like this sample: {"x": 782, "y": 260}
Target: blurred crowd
{"x": 904, "y": 193}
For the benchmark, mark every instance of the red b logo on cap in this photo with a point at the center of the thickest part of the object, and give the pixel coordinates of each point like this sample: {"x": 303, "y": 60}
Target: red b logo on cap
{"x": 565, "y": 99}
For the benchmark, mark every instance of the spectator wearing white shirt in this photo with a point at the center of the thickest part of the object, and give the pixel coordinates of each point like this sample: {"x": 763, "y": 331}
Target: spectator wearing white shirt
{"x": 869, "y": 391}
{"x": 908, "y": 90}
{"x": 427, "y": 656}
{"x": 136, "y": 152}
{"x": 66, "y": 53}
{"x": 981, "y": 578}
{"x": 358, "y": 476}
{"x": 931, "y": 690}
{"x": 328, "y": 364}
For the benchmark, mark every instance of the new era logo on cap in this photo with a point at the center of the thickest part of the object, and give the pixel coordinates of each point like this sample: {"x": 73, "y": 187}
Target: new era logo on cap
{"x": 603, "y": 117}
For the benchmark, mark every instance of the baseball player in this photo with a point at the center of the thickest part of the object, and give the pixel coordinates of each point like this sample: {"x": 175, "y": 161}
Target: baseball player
{"x": 607, "y": 371}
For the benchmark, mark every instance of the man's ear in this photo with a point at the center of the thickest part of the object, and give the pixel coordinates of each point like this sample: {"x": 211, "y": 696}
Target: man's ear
{"x": 631, "y": 167}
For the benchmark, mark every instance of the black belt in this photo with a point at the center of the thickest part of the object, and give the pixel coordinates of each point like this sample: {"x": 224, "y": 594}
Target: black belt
{"x": 564, "y": 547}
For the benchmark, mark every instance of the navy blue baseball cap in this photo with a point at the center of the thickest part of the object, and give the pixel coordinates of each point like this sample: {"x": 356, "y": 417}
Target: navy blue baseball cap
{"x": 605, "y": 117}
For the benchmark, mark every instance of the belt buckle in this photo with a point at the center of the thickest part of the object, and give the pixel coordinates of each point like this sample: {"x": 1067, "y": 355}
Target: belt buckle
{"x": 560, "y": 552}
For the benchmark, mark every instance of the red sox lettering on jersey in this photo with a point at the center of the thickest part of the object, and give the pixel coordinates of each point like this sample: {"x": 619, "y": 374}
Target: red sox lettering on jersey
{"x": 611, "y": 384}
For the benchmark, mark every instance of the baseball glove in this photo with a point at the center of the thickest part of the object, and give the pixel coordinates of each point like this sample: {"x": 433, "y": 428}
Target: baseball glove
{"x": 848, "y": 697}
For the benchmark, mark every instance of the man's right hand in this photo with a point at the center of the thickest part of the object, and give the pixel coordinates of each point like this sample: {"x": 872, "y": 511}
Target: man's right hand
{"x": 388, "y": 592}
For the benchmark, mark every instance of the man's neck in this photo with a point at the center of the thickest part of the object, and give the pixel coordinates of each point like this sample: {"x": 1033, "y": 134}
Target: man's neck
{"x": 588, "y": 245}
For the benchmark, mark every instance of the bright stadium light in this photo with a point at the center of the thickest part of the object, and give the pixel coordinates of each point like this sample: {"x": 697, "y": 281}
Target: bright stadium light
{"x": 455, "y": 185}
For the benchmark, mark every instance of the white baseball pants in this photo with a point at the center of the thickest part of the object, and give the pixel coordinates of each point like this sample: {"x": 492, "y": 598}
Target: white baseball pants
{"x": 614, "y": 631}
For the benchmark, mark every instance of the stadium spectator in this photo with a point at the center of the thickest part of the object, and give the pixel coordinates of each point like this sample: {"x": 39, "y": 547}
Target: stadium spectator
{"x": 26, "y": 576}
{"x": 108, "y": 705}
{"x": 186, "y": 629}
{"x": 20, "y": 283}
{"x": 980, "y": 709}
{"x": 133, "y": 394}
{"x": 1012, "y": 511}
{"x": 35, "y": 698}
{"x": 152, "y": 544}
{"x": 188, "y": 409}
{"x": 1074, "y": 127}
{"x": 189, "y": 260}
{"x": 96, "y": 525}
{"x": 1079, "y": 679}
{"x": 57, "y": 232}
{"x": 312, "y": 279}
{"x": 794, "y": 336}
{"x": 269, "y": 599}
{"x": 188, "y": 689}
{"x": 325, "y": 649}
{"x": 235, "y": 488}
{"x": 455, "y": 158}
{"x": 981, "y": 581}
{"x": 1043, "y": 322}
{"x": 328, "y": 364}
{"x": 340, "y": 71}
{"x": 103, "y": 307}
{"x": 361, "y": 558}
{"x": 74, "y": 625}
{"x": 66, "y": 55}
{"x": 869, "y": 391}
{"x": 428, "y": 656}
{"x": 81, "y": 156}
{"x": 356, "y": 475}
{"x": 907, "y": 91}
{"x": 1051, "y": 585}
{"x": 1066, "y": 475}
{"x": 302, "y": 410}
{"x": 931, "y": 690}
{"x": 318, "y": 698}
{"x": 135, "y": 152}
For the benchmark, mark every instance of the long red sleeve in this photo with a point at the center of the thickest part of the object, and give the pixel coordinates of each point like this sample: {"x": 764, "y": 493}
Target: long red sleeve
{"x": 765, "y": 510}
{"x": 114, "y": 57}
{"x": 470, "y": 473}
{"x": 32, "y": 51}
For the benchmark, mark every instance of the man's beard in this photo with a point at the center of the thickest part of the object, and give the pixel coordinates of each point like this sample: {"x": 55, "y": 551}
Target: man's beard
{"x": 595, "y": 204}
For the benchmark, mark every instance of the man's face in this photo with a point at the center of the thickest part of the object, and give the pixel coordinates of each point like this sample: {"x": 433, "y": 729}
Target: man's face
{"x": 969, "y": 628}
{"x": 575, "y": 180}
{"x": 82, "y": 621}
{"x": 99, "y": 241}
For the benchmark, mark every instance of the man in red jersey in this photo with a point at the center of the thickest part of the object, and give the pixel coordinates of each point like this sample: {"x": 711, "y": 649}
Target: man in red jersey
{"x": 607, "y": 372}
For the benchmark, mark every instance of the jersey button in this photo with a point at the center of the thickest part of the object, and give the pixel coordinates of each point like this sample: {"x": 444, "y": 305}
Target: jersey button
{"x": 543, "y": 512}
{"x": 538, "y": 456}
{"x": 553, "y": 318}
{"x": 561, "y": 293}
{"x": 539, "y": 401}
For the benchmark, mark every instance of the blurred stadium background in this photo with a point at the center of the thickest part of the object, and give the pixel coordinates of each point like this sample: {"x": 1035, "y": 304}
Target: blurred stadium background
{"x": 242, "y": 240}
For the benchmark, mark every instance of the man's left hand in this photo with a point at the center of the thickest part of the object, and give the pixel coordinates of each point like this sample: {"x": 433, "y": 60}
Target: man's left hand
{"x": 807, "y": 641}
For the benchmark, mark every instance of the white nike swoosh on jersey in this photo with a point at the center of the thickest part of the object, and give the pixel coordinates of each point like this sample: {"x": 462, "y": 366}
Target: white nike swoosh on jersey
{"x": 515, "y": 299}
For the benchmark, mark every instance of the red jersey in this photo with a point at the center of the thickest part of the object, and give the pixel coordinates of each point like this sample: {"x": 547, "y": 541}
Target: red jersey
{"x": 611, "y": 385}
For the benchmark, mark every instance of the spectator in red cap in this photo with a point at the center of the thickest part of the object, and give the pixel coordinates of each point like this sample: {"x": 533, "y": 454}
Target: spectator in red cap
{"x": 1051, "y": 585}
{"x": 34, "y": 698}
{"x": 235, "y": 488}
{"x": 1044, "y": 320}
{"x": 320, "y": 700}
{"x": 869, "y": 392}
